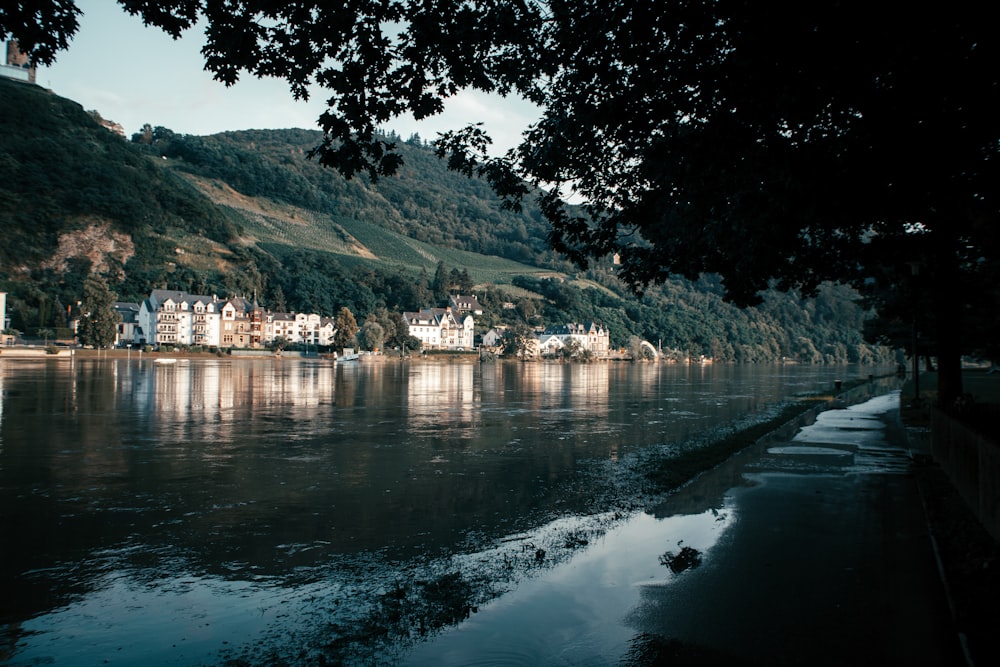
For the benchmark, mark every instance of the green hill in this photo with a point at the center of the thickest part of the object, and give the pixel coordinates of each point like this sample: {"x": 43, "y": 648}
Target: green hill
{"x": 248, "y": 213}
{"x": 210, "y": 212}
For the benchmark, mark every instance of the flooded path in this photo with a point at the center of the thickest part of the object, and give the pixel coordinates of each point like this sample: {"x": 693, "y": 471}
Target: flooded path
{"x": 810, "y": 550}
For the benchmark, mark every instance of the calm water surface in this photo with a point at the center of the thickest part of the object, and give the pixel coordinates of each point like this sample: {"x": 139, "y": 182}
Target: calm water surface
{"x": 297, "y": 511}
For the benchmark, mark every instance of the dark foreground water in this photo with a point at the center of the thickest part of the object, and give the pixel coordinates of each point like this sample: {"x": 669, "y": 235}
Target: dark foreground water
{"x": 267, "y": 511}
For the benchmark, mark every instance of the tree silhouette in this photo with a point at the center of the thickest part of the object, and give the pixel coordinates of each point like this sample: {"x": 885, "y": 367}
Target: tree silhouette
{"x": 516, "y": 341}
{"x": 439, "y": 286}
{"x": 45, "y": 333}
{"x": 98, "y": 320}
{"x": 347, "y": 329}
{"x": 372, "y": 334}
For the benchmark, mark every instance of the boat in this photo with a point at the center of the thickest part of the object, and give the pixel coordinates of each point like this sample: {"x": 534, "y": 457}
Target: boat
{"x": 348, "y": 355}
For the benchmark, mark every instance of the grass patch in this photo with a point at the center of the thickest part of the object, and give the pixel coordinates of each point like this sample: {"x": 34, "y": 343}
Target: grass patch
{"x": 981, "y": 409}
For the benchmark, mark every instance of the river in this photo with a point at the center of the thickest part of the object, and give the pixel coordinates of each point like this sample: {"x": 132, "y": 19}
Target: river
{"x": 297, "y": 511}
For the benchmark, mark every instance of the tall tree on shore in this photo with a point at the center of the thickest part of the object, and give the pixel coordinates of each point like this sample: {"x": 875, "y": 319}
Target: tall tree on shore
{"x": 347, "y": 329}
{"x": 439, "y": 286}
{"x": 98, "y": 320}
{"x": 372, "y": 334}
{"x": 783, "y": 147}
{"x": 516, "y": 340}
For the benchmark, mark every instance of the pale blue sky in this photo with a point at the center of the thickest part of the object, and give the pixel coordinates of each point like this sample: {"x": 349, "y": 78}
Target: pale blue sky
{"x": 134, "y": 75}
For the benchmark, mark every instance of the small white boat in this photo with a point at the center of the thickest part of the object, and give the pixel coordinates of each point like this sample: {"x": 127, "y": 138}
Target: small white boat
{"x": 164, "y": 360}
{"x": 348, "y": 355}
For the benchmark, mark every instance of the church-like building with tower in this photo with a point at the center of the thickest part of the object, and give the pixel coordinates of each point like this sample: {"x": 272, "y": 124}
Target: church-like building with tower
{"x": 16, "y": 65}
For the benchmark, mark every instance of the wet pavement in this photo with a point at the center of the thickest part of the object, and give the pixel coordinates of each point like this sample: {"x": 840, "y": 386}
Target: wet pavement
{"x": 830, "y": 563}
{"x": 820, "y": 555}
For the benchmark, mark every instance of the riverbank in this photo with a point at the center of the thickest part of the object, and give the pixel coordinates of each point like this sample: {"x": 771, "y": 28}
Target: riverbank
{"x": 50, "y": 352}
{"x": 35, "y": 353}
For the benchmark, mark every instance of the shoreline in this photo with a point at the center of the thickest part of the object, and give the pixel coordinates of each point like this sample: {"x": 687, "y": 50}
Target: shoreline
{"x": 67, "y": 353}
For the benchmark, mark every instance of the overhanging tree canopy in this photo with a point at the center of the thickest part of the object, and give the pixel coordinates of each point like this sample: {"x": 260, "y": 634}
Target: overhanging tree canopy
{"x": 778, "y": 144}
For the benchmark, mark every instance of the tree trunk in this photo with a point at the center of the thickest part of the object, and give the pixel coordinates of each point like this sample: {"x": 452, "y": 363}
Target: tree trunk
{"x": 948, "y": 306}
{"x": 949, "y": 375}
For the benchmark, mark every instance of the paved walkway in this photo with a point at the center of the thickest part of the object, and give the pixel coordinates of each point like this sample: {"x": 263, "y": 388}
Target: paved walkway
{"x": 830, "y": 562}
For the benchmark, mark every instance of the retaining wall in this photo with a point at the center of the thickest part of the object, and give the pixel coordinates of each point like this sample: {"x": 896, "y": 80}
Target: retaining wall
{"x": 33, "y": 353}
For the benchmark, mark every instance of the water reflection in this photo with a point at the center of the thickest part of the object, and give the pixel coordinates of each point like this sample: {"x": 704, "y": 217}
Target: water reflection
{"x": 443, "y": 397}
{"x": 210, "y": 398}
{"x": 578, "y": 613}
{"x": 311, "y": 490}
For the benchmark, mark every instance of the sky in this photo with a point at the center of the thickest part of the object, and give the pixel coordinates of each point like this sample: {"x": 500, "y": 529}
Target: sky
{"x": 134, "y": 75}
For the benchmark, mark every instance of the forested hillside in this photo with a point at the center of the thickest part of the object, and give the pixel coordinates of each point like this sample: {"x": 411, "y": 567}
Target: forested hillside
{"x": 248, "y": 213}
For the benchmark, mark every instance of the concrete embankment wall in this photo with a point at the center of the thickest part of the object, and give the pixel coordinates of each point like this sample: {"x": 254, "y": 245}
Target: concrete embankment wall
{"x": 972, "y": 462}
{"x": 269, "y": 353}
{"x": 33, "y": 353}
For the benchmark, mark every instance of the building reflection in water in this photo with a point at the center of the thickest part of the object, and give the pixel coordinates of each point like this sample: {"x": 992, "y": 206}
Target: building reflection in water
{"x": 443, "y": 397}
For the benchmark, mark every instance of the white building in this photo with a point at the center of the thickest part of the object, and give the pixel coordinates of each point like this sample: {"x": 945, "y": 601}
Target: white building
{"x": 494, "y": 337}
{"x": 172, "y": 317}
{"x": 591, "y": 337}
{"x": 441, "y": 329}
{"x": 549, "y": 345}
{"x": 281, "y": 325}
{"x": 4, "y": 321}
{"x": 300, "y": 328}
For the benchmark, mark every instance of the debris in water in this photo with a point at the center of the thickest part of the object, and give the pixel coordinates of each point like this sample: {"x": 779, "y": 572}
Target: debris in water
{"x": 686, "y": 559}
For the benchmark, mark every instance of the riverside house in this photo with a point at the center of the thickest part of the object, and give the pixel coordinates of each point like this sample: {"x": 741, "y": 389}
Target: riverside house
{"x": 128, "y": 323}
{"x": 464, "y": 303}
{"x": 172, "y": 317}
{"x": 591, "y": 337}
{"x": 308, "y": 328}
{"x": 441, "y": 328}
